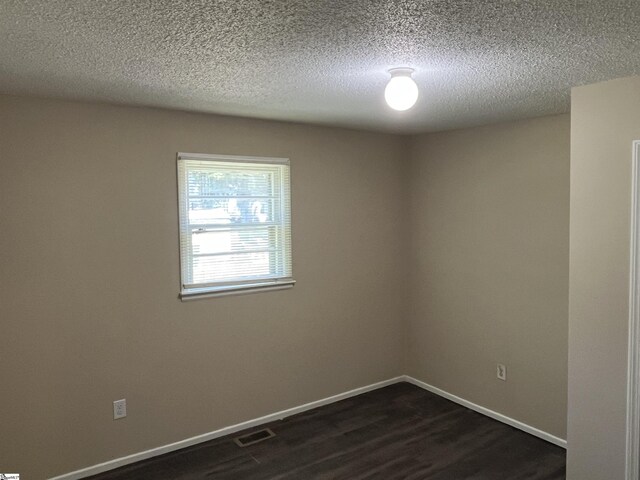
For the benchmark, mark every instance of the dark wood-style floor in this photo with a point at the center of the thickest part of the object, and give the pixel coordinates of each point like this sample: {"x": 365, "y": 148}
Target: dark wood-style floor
{"x": 397, "y": 432}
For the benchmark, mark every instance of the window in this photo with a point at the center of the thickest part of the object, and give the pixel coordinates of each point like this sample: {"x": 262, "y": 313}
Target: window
{"x": 235, "y": 224}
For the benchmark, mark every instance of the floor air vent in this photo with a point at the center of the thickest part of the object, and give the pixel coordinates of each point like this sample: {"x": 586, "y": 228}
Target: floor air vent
{"x": 253, "y": 437}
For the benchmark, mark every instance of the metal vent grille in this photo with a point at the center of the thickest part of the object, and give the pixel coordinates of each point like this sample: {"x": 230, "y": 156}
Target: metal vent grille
{"x": 254, "y": 437}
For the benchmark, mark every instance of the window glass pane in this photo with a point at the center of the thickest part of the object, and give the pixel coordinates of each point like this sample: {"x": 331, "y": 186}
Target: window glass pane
{"x": 221, "y": 211}
{"x": 228, "y": 182}
{"x": 216, "y": 215}
{"x": 228, "y": 241}
{"x": 238, "y": 266}
{"x": 252, "y": 210}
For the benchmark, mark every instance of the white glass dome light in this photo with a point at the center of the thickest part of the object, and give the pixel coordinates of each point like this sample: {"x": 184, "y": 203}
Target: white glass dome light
{"x": 401, "y": 93}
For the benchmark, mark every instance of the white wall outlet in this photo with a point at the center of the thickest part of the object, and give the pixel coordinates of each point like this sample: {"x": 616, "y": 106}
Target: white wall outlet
{"x": 120, "y": 409}
{"x": 501, "y": 372}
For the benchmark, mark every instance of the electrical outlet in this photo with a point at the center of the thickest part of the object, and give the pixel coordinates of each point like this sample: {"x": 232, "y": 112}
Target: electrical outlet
{"x": 120, "y": 409}
{"x": 501, "y": 372}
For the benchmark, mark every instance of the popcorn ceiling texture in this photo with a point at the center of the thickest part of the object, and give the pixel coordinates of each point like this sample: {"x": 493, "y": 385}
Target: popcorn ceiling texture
{"x": 320, "y": 61}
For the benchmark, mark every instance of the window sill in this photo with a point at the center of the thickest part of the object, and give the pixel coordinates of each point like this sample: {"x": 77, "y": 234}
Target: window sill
{"x": 200, "y": 293}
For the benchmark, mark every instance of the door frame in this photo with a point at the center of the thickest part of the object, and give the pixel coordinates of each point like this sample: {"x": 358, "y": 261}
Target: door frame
{"x": 633, "y": 368}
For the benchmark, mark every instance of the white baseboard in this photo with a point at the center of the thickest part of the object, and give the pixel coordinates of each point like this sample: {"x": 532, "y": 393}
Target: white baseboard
{"x": 154, "y": 452}
{"x": 489, "y": 413}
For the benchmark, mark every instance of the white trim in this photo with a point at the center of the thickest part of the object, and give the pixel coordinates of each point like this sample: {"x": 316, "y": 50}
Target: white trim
{"x": 232, "y": 158}
{"x": 279, "y": 244}
{"x": 188, "y": 295}
{"x": 632, "y": 464}
{"x": 490, "y": 413}
{"x": 136, "y": 457}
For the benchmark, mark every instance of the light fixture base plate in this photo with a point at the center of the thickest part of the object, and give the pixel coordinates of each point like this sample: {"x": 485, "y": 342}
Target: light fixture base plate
{"x": 406, "y": 71}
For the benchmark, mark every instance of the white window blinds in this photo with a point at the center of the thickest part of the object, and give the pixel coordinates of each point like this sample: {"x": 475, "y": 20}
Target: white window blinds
{"x": 235, "y": 224}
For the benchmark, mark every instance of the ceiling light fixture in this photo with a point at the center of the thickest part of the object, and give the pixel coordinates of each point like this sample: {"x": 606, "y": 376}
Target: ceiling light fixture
{"x": 401, "y": 92}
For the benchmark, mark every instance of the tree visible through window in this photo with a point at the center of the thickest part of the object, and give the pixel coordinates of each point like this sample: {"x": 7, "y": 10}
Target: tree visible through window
{"x": 235, "y": 223}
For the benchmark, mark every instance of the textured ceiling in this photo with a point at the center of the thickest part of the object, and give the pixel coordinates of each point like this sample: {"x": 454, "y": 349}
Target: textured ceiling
{"x": 320, "y": 61}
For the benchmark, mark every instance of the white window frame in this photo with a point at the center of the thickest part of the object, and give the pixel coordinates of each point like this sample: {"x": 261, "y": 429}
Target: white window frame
{"x": 277, "y": 280}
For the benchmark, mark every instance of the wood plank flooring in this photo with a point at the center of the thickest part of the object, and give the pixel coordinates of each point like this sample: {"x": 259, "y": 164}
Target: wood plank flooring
{"x": 397, "y": 432}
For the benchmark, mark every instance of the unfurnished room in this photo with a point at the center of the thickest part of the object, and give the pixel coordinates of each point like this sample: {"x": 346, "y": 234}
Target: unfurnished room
{"x": 336, "y": 240}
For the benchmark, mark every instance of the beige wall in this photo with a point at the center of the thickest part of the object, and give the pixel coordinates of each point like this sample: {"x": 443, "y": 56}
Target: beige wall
{"x": 605, "y": 121}
{"x": 489, "y": 266}
{"x": 88, "y": 306}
